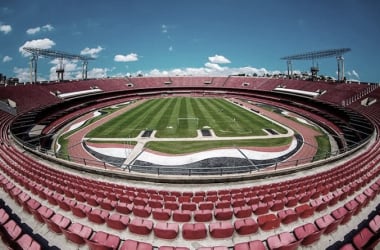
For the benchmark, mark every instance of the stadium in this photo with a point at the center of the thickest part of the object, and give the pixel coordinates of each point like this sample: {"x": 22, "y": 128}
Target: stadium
{"x": 190, "y": 162}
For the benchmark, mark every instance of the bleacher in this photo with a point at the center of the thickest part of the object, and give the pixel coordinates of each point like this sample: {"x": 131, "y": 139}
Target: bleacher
{"x": 45, "y": 206}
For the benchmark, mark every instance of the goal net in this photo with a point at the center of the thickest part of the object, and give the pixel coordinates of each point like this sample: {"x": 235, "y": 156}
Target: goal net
{"x": 188, "y": 123}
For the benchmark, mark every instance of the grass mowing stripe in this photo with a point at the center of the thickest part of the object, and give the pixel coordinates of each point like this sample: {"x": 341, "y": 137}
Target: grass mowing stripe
{"x": 167, "y": 124}
{"x": 210, "y": 114}
{"x": 165, "y": 115}
{"x": 116, "y": 126}
{"x": 234, "y": 116}
{"x": 155, "y": 119}
{"x": 201, "y": 112}
{"x": 247, "y": 117}
{"x": 145, "y": 119}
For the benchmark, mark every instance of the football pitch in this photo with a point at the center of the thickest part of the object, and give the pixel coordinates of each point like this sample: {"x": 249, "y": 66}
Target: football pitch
{"x": 181, "y": 117}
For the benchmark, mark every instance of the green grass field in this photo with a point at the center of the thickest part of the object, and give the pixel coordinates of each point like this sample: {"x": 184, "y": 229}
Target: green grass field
{"x": 177, "y": 147}
{"x": 180, "y": 117}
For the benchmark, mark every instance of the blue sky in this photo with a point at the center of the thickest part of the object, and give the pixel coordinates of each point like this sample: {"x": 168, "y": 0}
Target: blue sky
{"x": 190, "y": 37}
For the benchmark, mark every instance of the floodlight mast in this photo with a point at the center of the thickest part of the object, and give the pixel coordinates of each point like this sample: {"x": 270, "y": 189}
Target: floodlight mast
{"x": 337, "y": 53}
{"x": 36, "y": 52}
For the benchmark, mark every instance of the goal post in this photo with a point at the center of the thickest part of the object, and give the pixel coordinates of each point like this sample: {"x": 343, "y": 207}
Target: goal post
{"x": 187, "y": 122}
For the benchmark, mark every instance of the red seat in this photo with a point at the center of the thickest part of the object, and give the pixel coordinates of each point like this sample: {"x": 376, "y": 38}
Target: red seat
{"x": 172, "y": 205}
{"x": 92, "y": 200}
{"x": 108, "y": 204}
{"x": 31, "y": 205}
{"x": 251, "y": 245}
{"x": 221, "y": 229}
{"x": 23, "y": 197}
{"x": 342, "y": 214}
{"x": 81, "y": 210}
{"x": 304, "y": 210}
{"x": 4, "y": 216}
{"x": 307, "y": 233}
{"x": 182, "y": 215}
{"x": 66, "y": 203}
{"x": 173, "y": 248}
{"x": 189, "y": 206}
{"x": 118, "y": 221}
{"x": 352, "y": 206}
{"x": 142, "y": 211}
{"x": 213, "y": 248}
{"x": 242, "y": 212}
{"x": 238, "y": 202}
{"x": 319, "y": 204}
{"x": 135, "y": 245}
{"x": 194, "y": 231}
{"x": 43, "y": 212}
{"x": 206, "y": 205}
{"x": 58, "y": 222}
{"x": 223, "y": 213}
{"x": 374, "y": 224}
{"x": 246, "y": 226}
{"x": 347, "y": 246}
{"x": 140, "y": 201}
{"x": 12, "y": 230}
{"x": 361, "y": 239}
{"x": 223, "y": 204}
{"x": 155, "y": 203}
{"x": 141, "y": 226}
{"x": 331, "y": 199}
{"x": 252, "y": 200}
{"x": 276, "y": 205}
{"x": 124, "y": 208}
{"x": 102, "y": 240}
{"x": 166, "y": 230}
{"x": 260, "y": 208}
{"x": 327, "y": 223}
{"x": 98, "y": 215}
{"x": 202, "y": 215}
{"x": 283, "y": 241}
{"x": 161, "y": 213}
{"x": 287, "y": 216}
{"x": 184, "y": 198}
{"x": 268, "y": 221}
{"x": 77, "y": 233}
{"x": 80, "y": 196}
{"x": 26, "y": 242}
{"x": 363, "y": 200}
{"x": 197, "y": 199}
{"x": 291, "y": 201}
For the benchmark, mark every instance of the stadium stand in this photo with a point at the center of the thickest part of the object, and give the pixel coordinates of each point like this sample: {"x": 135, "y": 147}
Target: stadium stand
{"x": 45, "y": 206}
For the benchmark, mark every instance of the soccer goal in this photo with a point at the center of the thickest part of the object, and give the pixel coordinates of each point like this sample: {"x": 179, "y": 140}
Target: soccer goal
{"x": 188, "y": 122}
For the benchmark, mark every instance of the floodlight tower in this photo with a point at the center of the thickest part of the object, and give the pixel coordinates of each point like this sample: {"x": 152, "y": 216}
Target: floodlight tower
{"x": 338, "y": 53}
{"x": 36, "y": 52}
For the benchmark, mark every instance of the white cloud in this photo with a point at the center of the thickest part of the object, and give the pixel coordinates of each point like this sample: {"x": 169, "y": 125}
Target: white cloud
{"x": 218, "y": 59}
{"x": 355, "y": 74}
{"x": 45, "y": 43}
{"x": 7, "y": 59}
{"x": 92, "y": 52}
{"x": 45, "y": 28}
{"x": 33, "y": 31}
{"x": 171, "y": 48}
{"x": 213, "y": 66}
{"x": 23, "y": 74}
{"x": 126, "y": 58}
{"x": 209, "y": 70}
{"x": 97, "y": 73}
{"x": 5, "y": 28}
{"x": 164, "y": 28}
{"x": 48, "y": 27}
